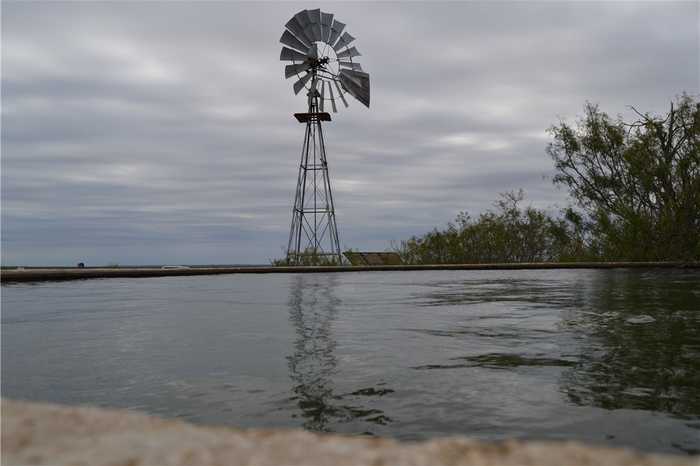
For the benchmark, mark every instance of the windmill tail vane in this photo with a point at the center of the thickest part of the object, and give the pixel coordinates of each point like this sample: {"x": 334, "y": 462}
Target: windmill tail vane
{"x": 324, "y": 62}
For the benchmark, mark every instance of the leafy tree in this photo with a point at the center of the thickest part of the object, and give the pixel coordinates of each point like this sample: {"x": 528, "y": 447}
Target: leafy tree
{"x": 638, "y": 183}
{"x": 508, "y": 234}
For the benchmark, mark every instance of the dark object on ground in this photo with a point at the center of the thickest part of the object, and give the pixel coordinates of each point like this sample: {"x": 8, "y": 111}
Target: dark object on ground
{"x": 373, "y": 258}
{"x": 81, "y": 265}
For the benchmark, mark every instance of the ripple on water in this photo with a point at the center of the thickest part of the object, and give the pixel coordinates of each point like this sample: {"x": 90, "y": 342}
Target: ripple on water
{"x": 501, "y": 361}
{"x": 640, "y": 319}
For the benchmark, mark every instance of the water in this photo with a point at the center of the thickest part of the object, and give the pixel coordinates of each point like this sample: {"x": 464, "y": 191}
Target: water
{"x": 604, "y": 356}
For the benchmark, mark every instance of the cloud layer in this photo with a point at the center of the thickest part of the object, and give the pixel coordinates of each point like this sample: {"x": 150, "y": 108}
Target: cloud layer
{"x": 155, "y": 132}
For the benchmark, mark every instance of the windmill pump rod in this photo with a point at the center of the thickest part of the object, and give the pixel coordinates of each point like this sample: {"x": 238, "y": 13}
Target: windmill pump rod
{"x": 313, "y": 92}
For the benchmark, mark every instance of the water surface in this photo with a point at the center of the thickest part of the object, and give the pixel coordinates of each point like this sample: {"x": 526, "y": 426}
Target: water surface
{"x": 604, "y": 356}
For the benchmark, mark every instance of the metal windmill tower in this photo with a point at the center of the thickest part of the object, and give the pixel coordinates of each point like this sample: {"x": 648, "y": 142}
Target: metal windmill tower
{"x": 324, "y": 64}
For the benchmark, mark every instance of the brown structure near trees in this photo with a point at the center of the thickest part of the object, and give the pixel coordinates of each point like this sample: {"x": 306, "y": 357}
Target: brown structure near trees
{"x": 373, "y": 258}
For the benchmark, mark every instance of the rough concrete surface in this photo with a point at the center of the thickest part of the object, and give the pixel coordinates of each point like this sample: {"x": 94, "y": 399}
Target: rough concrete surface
{"x": 44, "y": 434}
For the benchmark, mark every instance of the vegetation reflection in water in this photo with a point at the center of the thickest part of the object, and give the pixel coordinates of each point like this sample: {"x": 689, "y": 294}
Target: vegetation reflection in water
{"x": 312, "y": 365}
{"x": 622, "y": 362}
{"x": 627, "y": 364}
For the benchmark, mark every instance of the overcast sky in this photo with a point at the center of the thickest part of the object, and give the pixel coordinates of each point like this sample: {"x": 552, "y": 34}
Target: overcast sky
{"x": 156, "y": 132}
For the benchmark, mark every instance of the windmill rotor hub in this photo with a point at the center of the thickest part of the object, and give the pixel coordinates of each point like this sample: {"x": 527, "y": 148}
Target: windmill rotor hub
{"x": 318, "y": 63}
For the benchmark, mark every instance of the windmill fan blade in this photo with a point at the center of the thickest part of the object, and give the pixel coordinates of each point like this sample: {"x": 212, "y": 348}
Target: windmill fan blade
{"x": 326, "y": 22}
{"x": 302, "y": 18}
{"x": 357, "y": 84}
{"x": 298, "y": 30}
{"x": 330, "y": 88}
{"x": 289, "y": 39}
{"x": 299, "y": 85}
{"x": 351, "y": 52}
{"x": 345, "y": 39}
{"x": 340, "y": 93}
{"x": 352, "y": 66}
{"x": 315, "y": 21}
{"x": 313, "y": 51}
{"x": 291, "y": 70}
{"x": 336, "y": 30}
{"x": 323, "y": 92}
{"x": 288, "y": 54}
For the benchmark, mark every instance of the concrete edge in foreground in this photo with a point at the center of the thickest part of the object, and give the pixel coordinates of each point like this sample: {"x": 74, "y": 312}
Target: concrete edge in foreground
{"x": 45, "y": 434}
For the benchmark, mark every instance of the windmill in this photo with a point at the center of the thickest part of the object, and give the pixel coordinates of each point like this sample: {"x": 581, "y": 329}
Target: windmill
{"x": 324, "y": 64}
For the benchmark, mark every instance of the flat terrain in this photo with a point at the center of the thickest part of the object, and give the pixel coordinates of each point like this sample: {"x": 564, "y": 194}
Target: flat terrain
{"x": 48, "y": 274}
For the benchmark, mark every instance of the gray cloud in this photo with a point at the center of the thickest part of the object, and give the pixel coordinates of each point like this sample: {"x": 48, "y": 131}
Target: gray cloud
{"x": 162, "y": 133}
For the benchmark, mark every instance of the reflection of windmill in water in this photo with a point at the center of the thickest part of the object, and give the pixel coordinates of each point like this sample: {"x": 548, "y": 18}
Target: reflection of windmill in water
{"x": 313, "y": 364}
{"x": 324, "y": 64}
